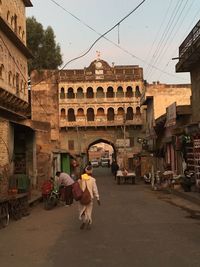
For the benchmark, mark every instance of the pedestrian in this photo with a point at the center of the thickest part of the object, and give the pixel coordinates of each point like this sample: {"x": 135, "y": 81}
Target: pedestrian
{"x": 66, "y": 182}
{"x": 85, "y": 211}
{"x": 114, "y": 168}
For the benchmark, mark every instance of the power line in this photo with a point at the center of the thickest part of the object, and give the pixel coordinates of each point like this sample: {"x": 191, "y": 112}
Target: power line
{"x": 165, "y": 32}
{"x": 117, "y": 45}
{"x": 170, "y": 37}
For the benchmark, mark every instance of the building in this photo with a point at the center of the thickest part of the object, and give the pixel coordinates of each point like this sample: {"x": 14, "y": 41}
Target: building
{"x": 100, "y": 103}
{"x": 189, "y": 59}
{"x": 18, "y": 133}
{"x": 163, "y": 100}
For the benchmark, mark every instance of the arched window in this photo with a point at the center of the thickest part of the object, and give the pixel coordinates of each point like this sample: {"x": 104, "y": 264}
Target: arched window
{"x": 80, "y": 112}
{"x": 129, "y": 91}
{"x": 100, "y": 112}
{"x": 138, "y": 113}
{"x": 137, "y": 91}
{"x": 17, "y": 83}
{"x": 20, "y": 28}
{"x": 90, "y": 114}
{"x": 120, "y": 111}
{"x": 15, "y": 23}
{"x": 62, "y": 93}
{"x": 120, "y": 92}
{"x": 129, "y": 114}
{"x": 8, "y": 16}
{"x": 22, "y": 85}
{"x": 110, "y": 92}
{"x": 100, "y": 93}
{"x": 62, "y": 113}
{"x": 1, "y": 53}
{"x": 13, "y": 80}
{"x": 110, "y": 114}
{"x": 10, "y": 78}
{"x": 80, "y": 93}
{"x": 71, "y": 115}
{"x": 70, "y": 93}
{"x": 23, "y": 35}
{"x": 90, "y": 93}
{"x": 2, "y": 71}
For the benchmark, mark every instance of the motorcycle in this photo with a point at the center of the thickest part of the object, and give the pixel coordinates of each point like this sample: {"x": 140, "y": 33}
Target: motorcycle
{"x": 187, "y": 180}
{"x": 147, "y": 178}
{"x": 50, "y": 194}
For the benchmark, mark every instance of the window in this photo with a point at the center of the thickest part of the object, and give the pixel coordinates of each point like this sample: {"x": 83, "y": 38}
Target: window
{"x": 90, "y": 114}
{"x": 71, "y": 115}
{"x": 120, "y": 92}
{"x": 70, "y": 93}
{"x": 137, "y": 92}
{"x": 63, "y": 113}
{"x": 129, "y": 114}
{"x": 71, "y": 144}
{"x": 110, "y": 114}
{"x": 80, "y": 93}
{"x": 1, "y": 71}
{"x": 62, "y": 93}
{"x": 129, "y": 91}
{"x": 90, "y": 93}
{"x": 110, "y": 93}
{"x": 100, "y": 92}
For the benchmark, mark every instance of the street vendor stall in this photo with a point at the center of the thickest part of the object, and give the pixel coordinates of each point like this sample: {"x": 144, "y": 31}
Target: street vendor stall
{"x": 126, "y": 177}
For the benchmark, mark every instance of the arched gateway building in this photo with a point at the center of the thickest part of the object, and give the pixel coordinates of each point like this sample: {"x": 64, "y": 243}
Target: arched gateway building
{"x": 100, "y": 103}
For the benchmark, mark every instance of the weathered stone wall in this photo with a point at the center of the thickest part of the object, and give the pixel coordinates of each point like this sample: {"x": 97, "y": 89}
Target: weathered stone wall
{"x": 195, "y": 79}
{"x": 164, "y": 95}
{"x": 4, "y": 156}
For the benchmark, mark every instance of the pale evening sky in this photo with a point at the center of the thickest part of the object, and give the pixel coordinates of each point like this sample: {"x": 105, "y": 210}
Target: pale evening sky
{"x": 150, "y": 35}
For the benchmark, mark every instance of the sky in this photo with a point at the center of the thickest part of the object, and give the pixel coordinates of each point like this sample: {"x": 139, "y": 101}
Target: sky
{"x": 149, "y": 37}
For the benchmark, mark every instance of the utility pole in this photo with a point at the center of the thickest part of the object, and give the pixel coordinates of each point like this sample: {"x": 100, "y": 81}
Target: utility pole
{"x": 124, "y": 133}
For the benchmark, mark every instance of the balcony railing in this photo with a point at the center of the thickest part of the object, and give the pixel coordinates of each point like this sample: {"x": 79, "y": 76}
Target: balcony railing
{"x": 99, "y": 100}
{"x": 137, "y": 120}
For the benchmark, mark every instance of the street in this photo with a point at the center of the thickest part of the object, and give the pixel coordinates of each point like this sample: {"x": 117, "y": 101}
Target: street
{"x": 134, "y": 226}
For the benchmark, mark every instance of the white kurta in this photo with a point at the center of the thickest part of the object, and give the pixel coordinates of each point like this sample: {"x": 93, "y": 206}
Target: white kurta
{"x": 85, "y": 211}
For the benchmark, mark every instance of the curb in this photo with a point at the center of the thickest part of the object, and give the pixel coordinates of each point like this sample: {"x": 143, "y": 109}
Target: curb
{"x": 34, "y": 200}
{"x": 195, "y": 200}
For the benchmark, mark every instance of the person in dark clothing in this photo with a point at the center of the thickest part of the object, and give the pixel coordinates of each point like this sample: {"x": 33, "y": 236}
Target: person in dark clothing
{"x": 114, "y": 168}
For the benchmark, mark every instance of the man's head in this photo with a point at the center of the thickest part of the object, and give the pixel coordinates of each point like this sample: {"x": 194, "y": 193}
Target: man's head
{"x": 58, "y": 174}
{"x": 88, "y": 169}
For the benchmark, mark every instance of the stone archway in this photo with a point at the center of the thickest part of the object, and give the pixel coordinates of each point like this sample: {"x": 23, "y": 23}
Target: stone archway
{"x": 97, "y": 141}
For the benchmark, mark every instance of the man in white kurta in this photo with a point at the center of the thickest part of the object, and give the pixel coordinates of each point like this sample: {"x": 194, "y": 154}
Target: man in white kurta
{"x": 85, "y": 211}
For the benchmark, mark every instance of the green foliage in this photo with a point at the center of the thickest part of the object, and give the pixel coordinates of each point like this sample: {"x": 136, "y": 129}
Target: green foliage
{"x": 41, "y": 43}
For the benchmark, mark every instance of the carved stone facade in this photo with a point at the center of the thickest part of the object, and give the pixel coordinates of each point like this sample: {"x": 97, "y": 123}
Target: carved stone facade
{"x": 18, "y": 134}
{"x": 86, "y": 106}
{"x": 101, "y": 102}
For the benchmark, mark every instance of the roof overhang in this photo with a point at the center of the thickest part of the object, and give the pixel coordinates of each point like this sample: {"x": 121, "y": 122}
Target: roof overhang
{"x": 27, "y": 3}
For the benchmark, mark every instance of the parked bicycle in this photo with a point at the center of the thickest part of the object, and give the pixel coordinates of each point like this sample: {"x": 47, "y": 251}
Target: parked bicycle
{"x": 50, "y": 194}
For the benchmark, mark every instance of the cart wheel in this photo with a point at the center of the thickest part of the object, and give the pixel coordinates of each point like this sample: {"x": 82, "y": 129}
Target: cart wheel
{"x": 4, "y": 221}
{"x": 4, "y": 218}
{"x": 49, "y": 203}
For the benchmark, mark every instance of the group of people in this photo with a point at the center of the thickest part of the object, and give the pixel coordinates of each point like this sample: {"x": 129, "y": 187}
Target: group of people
{"x": 65, "y": 183}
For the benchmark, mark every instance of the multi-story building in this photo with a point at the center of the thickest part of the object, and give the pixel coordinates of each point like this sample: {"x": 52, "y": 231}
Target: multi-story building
{"x": 189, "y": 59}
{"x": 17, "y": 130}
{"x": 158, "y": 98}
{"x": 99, "y": 103}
